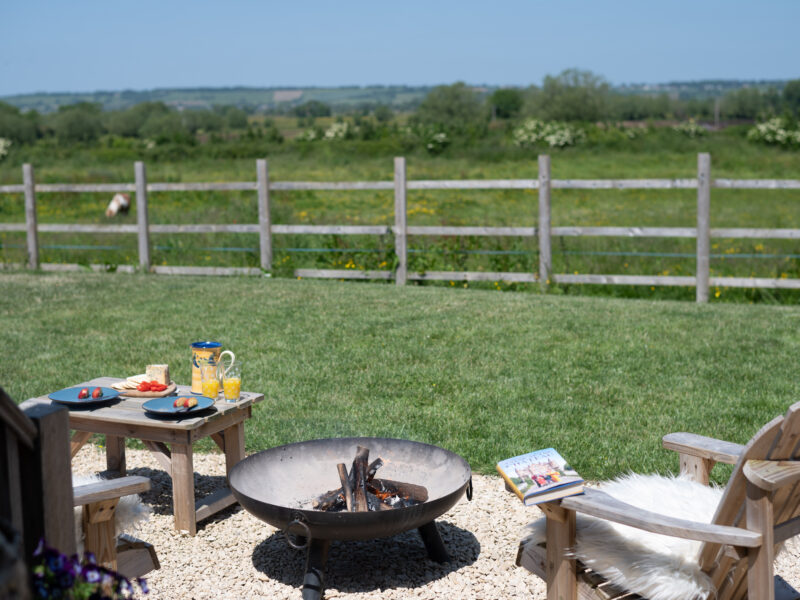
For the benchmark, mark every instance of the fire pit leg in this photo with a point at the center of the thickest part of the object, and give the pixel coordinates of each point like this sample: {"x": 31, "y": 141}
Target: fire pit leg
{"x": 433, "y": 543}
{"x": 315, "y": 568}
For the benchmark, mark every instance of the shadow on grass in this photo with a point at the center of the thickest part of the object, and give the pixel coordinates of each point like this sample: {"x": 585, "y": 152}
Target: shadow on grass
{"x": 371, "y": 565}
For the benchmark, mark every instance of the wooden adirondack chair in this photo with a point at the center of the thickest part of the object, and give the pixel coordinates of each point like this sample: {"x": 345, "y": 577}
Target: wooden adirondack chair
{"x": 37, "y": 496}
{"x": 760, "y": 508}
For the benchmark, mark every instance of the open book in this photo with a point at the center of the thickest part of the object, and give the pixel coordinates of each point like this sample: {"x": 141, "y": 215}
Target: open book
{"x": 540, "y": 476}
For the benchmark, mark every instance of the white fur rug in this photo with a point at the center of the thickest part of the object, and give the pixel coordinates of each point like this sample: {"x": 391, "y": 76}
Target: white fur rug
{"x": 129, "y": 514}
{"x": 655, "y": 566}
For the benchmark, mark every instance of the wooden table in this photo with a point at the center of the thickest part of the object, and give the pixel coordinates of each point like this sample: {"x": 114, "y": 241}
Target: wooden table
{"x": 127, "y": 419}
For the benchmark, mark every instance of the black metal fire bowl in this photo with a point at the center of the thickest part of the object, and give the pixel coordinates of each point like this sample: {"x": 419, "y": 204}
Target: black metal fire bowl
{"x": 278, "y": 485}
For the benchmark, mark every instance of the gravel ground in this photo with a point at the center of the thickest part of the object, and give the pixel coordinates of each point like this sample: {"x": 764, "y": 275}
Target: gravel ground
{"x": 236, "y": 556}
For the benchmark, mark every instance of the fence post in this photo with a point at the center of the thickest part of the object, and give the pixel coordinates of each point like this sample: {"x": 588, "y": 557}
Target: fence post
{"x": 264, "y": 224}
{"x": 543, "y": 229}
{"x": 141, "y": 215}
{"x": 30, "y": 216}
{"x": 703, "y": 225}
{"x": 400, "y": 220}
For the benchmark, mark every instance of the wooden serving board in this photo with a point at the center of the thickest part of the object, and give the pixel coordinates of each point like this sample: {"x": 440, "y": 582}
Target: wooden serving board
{"x": 137, "y": 394}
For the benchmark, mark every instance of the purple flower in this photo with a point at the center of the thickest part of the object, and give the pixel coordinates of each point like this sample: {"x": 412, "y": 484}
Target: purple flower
{"x": 125, "y": 586}
{"x": 91, "y": 573}
{"x": 143, "y": 585}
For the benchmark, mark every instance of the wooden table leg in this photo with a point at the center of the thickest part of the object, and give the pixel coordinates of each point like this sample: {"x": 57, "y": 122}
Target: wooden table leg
{"x": 79, "y": 438}
{"x": 115, "y": 454}
{"x": 183, "y": 488}
{"x": 234, "y": 445}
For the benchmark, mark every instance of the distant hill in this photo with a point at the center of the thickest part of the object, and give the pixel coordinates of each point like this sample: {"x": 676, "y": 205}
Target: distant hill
{"x": 699, "y": 90}
{"x": 399, "y": 97}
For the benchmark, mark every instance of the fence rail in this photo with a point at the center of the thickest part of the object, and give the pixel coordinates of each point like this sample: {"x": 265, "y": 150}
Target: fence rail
{"x": 401, "y": 230}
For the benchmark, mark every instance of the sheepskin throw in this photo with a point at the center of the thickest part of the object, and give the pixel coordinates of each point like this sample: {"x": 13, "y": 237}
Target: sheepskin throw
{"x": 655, "y": 566}
{"x": 128, "y": 516}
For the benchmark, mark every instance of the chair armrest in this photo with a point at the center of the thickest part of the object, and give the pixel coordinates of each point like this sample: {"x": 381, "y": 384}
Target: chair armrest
{"x": 599, "y": 504}
{"x": 703, "y": 447}
{"x": 772, "y": 474}
{"x": 109, "y": 489}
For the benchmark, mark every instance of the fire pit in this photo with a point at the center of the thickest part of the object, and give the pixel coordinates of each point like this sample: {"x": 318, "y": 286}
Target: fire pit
{"x": 279, "y": 485}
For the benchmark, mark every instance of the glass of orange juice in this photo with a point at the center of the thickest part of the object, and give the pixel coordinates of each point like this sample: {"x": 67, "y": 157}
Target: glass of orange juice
{"x": 232, "y": 381}
{"x": 210, "y": 381}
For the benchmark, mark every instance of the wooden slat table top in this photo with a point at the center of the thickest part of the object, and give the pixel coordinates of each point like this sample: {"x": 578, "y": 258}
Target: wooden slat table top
{"x": 129, "y": 411}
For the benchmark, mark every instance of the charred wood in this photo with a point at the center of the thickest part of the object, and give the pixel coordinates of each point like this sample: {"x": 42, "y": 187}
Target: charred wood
{"x": 359, "y": 474}
{"x": 346, "y": 489}
{"x": 373, "y": 468}
{"x": 417, "y": 493}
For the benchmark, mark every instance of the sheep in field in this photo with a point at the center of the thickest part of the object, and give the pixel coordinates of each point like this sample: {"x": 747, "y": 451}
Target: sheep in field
{"x": 120, "y": 203}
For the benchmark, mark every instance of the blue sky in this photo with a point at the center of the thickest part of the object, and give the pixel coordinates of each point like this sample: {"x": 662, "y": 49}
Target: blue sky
{"x": 87, "y": 45}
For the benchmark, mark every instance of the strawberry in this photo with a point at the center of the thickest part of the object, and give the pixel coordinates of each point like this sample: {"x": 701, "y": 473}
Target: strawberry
{"x": 144, "y": 386}
{"x": 97, "y": 393}
{"x": 84, "y": 393}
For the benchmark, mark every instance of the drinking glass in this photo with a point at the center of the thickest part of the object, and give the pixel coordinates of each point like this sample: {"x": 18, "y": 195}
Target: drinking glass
{"x": 232, "y": 381}
{"x": 210, "y": 381}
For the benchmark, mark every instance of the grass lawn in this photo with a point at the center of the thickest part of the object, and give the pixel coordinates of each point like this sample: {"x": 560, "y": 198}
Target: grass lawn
{"x": 488, "y": 375}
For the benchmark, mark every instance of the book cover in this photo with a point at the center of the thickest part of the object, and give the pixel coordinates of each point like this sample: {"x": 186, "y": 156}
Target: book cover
{"x": 540, "y": 476}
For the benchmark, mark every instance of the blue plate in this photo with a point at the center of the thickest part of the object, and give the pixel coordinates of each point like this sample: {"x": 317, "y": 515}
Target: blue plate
{"x": 70, "y": 395}
{"x": 164, "y": 406}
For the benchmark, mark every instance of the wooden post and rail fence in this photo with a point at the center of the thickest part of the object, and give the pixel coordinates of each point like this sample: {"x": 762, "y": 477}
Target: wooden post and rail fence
{"x": 401, "y": 230}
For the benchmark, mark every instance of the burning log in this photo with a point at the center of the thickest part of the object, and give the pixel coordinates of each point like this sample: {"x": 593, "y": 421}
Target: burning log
{"x": 359, "y": 475}
{"x": 373, "y": 468}
{"x": 346, "y": 489}
{"x": 409, "y": 491}
{"x": 329, "y": 500}
{"x": 361, "y": 491}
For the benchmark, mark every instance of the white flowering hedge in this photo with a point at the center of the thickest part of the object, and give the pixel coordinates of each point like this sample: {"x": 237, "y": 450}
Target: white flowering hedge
{"x": 5, "y": 144}
{"x": 689, "y": 128}
{"x": 552, "y": 133}
{"x": 339, "y": 131}
{"x": 436, "y": 142}
{"x": 309, "y": 135}
{"x": 776, "y": 131}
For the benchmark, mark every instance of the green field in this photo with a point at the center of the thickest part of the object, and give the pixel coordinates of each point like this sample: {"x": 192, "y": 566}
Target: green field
{"x": 659, "y": 155}
{"x": 486, "y": 375}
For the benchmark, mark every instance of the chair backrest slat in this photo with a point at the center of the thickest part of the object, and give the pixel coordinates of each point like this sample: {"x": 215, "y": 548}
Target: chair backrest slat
{"x": 786, "y": 502}
{"x": 36, "y": 477}
{"x": 777, "y": 440}
{"x": 16, "y": 421}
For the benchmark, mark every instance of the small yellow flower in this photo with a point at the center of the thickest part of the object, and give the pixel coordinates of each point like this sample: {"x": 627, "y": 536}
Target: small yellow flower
{"x": 717, "y": 293}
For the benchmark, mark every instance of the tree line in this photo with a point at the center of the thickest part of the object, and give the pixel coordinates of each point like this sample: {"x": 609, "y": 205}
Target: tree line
{"x": 457, "y": 110}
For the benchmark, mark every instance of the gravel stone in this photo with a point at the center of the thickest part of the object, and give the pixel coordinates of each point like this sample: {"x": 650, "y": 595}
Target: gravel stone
{"x": 236, "y": 556}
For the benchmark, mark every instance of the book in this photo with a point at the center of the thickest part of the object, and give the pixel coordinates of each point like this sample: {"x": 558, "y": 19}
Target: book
{"x": 540, "y": 476}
